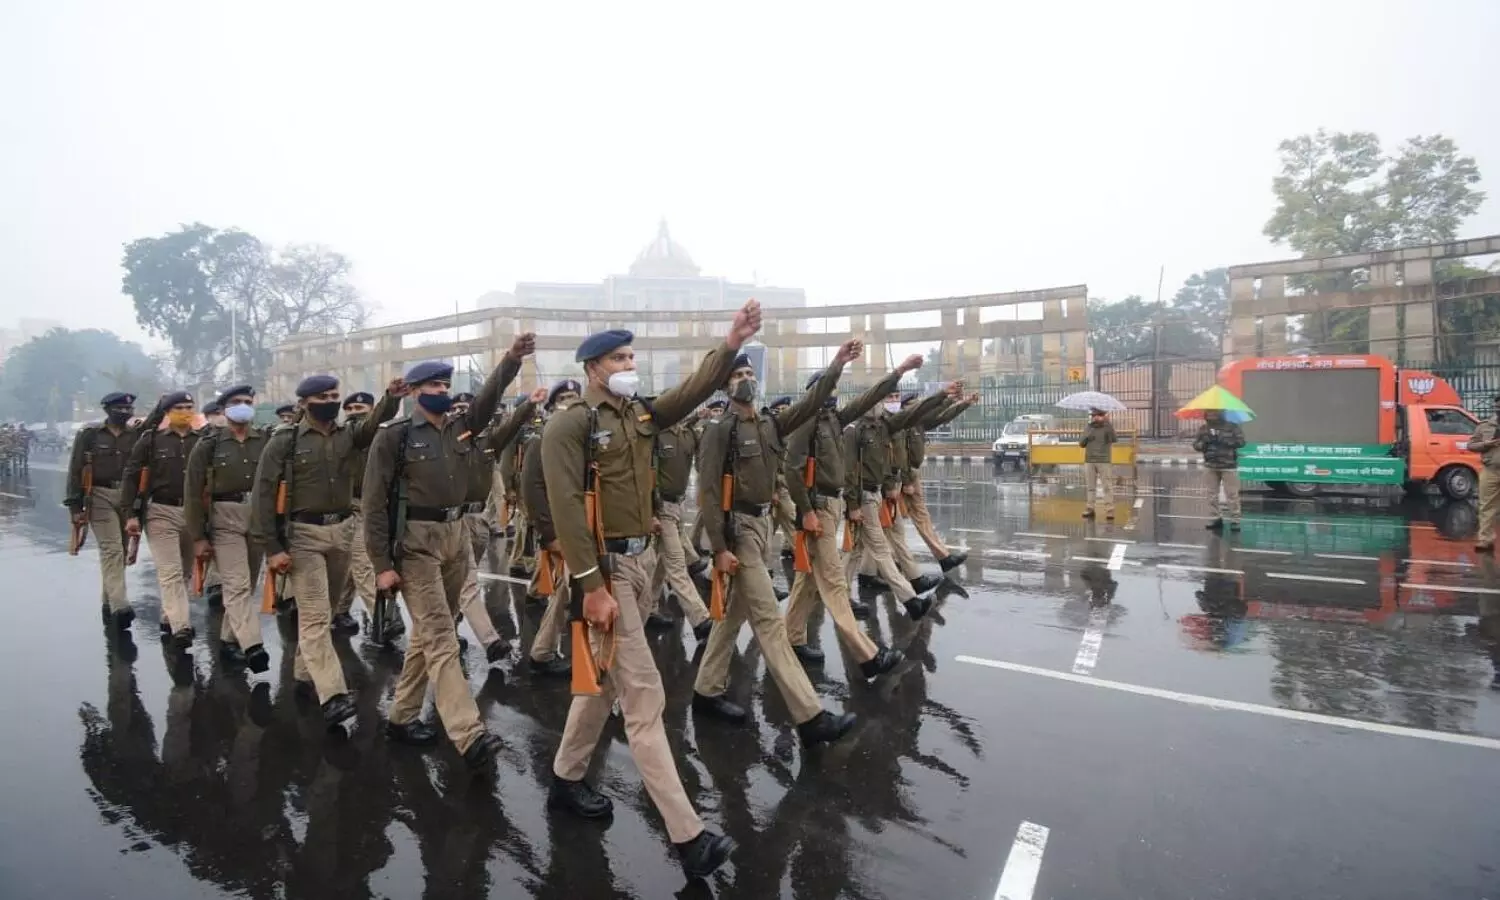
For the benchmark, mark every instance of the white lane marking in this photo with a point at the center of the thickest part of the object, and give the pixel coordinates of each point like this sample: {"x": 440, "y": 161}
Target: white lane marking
{"x": 1447, "y": 587}
{"x": 1324, "y": 579}
{"x": 973, "y": 530}
{"x": 1092, "y": 642}
{"x": 1352, "y": 556}
{"x": 1445, "y": 737}
{"x": 1175, "y": 516}
{"x": 1117, "y": 558}
{"x": 14, "y": 496}
{"x": 1216, "y": 571}
{"x": 1103, "y": 559}
{"x": 1139, "y": 501}
{"x": 1439, "y": 562}
{"x": 1183, "y": 546}
{"x": 1023, "y": 554}
{"x": 1037, "y": 534}
{"x": 1024, "y": 864}
{"x": 1266, "y": 552}
{"x": 1109, "y": 540}
{"x": 492, "y": 576}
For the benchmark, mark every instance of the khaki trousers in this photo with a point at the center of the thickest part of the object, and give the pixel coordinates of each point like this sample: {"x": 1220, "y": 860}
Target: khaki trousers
{"x": 916, "y": 504}
{"x": 672, "y": 563}
{"x": 518, "y": 554}
{"x": 471, "y": 598}
{"x": 1227, "y": 509}
{"x": 751, "y": 598}
{"x": 1489, "y": 504}
{"x": 360, "y": 579}
{"x": 172, "y": 551}
{"x": 635, "y": 681}
{"x": 784, "y": 512}
{"x": 549, "y": 629}
{"x": 107, "y": 522}
{"x": 826, "y": 580}
{"x": 1095, "y": 474}
{"x": 689, "y": 548}
{"x": 320, "y": 559}
{"x": 433, "y": 573}
{"x": 872, "y": 545}
{"x": 238, "y": 562}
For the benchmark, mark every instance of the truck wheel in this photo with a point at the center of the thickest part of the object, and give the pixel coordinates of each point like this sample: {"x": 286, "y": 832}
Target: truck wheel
{"x": 1457, "y": 482}
{"x": 1302, "y": 488}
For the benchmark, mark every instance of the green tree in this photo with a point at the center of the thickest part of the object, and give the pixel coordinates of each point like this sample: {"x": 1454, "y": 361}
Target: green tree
{"x": 216, "y": 294}
{"x": 43, "y": 378}
{"x": 1341, "y": 193}
{"x": 1127, "y": 329}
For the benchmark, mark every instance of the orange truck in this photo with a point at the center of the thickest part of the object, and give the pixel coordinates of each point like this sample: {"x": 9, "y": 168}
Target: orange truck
{"x": 1351, "y": 419}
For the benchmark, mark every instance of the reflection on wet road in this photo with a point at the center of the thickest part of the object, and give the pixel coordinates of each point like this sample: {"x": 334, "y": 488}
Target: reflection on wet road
{"x": 1139, "y": 713}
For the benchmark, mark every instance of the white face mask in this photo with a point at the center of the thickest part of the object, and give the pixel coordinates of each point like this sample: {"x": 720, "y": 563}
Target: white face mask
{"x": 893, "y": 408}
{"x": 625, "y": 383}
{"x": 239, "y": 414}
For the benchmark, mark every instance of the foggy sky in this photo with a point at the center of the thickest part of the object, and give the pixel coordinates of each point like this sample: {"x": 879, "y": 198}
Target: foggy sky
{"x": 452, "y": 149}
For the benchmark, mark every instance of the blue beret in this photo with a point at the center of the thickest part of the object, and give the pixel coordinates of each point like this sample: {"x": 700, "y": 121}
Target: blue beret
{"x": 463, "y": 397}
{"x": 239, "y": 390}
{"x": 316, "y": 384}
{"x": 781, "y": 401}
{"x": 718, "y": 403}
{"x": 428, "y": 371}
{"x": 742, "y": 362}
{"x": 118, "y": 398}
{"x": 596, "y": 345}
{"x": 364, "y": 397}
{"x": 283, "y": 410}
{"x": 558, "y": 387}
{"x": 174, "y": 398}
{"x": 909, "y": 396}
{"x": 212, "y": 408}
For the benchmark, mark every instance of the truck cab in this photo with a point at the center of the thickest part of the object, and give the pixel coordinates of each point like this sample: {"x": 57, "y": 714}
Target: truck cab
{"x": 1435, "y": 441}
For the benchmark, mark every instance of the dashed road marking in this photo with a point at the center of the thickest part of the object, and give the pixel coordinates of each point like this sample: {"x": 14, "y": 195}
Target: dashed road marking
{"x": 1184, "y": 546}
{"x": 1023, "y": 554}
{"x": 1323, "y": 579}
{"x": 1109, "y": 540}
{"x": 1104, "y": 559}
{"x": 1444, "y": 737}
{"x": 492, "y": 576}
{"x": 1139, "y": 502}
{"x": 1117, "y": 558}
{"x": 1178, "y": 516}
{"x": 974, "y": 530}
{"x": 1211, "y": 569}
{"x": 1352, "y": 556}
{"x": 1266, "y": 552}
{"x": 1439, "y": 562}
{"x": 1405, "y": 585}
{"x": 1093, "y": 640}
{"x": 1037, "y": 534}
{"x": 1024, "y": 864}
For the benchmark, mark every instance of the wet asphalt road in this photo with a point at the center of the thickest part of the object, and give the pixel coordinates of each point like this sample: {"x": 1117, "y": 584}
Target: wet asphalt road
{"x": 1096, "y": 736}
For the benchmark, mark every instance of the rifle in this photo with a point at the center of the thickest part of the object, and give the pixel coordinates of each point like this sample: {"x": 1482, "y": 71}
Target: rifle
{"x": 272, "y": 594}
{"x": 81, "y": 529}
{"x": 206, "y": 503}
{"x": 851, "y": 527}
{"x": 396, "y": 518}
{"x": 588, "y": 669}
{"x": 718, "y": 594}
{"x": 142, "y": 499}
{"x": 801, "y": 562}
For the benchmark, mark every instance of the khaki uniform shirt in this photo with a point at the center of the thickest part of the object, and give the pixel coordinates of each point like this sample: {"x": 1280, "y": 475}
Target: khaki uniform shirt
{"x": 168, "y": 457}
{"x": 676, "y": 450}
{"x": 220, "y": 464}
{"x": 822, "y": 439}
{"x": 867, "y": 447}
{"x": 98, "y": 446}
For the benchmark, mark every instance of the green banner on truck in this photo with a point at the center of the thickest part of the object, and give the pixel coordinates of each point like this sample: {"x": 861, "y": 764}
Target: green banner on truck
{"x": 1337, "y": 463}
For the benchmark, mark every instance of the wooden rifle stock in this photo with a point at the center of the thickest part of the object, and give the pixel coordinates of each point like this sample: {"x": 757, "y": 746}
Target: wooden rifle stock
{"x": 849, "y": 526}
{"x": 200, "y": 572}
{"x": 589, "y": 668}
{"x": 801, "y": 561}
{"x": 81, "y": 531}
{"x": 718, "y": 594}
{"x": 887, "y": 513}
{"x": 268, "y": 593}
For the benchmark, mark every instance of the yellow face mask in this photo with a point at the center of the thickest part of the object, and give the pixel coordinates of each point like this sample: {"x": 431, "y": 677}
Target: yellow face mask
{"x": 179, "y": 418}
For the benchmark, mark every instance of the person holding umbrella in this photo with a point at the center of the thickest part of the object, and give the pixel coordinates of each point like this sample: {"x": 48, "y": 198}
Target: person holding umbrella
{"x": 1098, "y": 443}
{"x": 1219, "y": 439}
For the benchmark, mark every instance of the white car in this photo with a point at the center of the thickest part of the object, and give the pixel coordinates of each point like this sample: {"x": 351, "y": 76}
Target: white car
{"x": 1014, "y": 443}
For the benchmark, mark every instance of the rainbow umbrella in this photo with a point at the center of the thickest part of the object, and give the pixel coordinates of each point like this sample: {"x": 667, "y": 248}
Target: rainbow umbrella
{"x": 1217, "y": 397}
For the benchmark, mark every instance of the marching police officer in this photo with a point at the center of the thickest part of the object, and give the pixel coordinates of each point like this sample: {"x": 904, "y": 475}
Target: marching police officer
{"x": 287, "y": 413}
{"x": 612, "y": 433}
{"x": 543, "y": 654}
{"x": 96, "y": 474}
{"x": 163, "y": 456}
{"x": 220, "y": 477}
{"x": 911, "y": 487}
{"x": 309, "y": 540}
{"x": 1486, "y": 442}
{"x": 427, "y": 454}
{"x": 819, "y": 510}
{"x": 747, "y": 449}
{"x": 361, "y": 578}
{"x": 676, "y": 451}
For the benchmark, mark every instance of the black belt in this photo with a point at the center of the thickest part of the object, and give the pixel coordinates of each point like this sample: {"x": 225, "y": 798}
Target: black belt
{"x": 872, "y": 488}
{"x": 434, "y": 513}
{"x": 165, "y": 502}
{"x": 476, "y": 506}
{"x": 632, "y": 546}
{"x": 671, "y": 498}
{"x": 333, "y": 518}
{"x": 831, "y": 495}
{"x": 752, "y": 509}
{"x": 232, "y": 497}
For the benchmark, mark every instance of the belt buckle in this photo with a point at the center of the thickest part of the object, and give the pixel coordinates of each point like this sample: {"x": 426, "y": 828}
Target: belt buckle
{"x": 331, "y": 519}
{"x": 635, "y": 546}
{"x": 872, "y": 495}
{"x": 453, "y": 514}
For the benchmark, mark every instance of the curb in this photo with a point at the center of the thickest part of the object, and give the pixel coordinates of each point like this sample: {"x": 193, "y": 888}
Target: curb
{"x": 1143, "y": 461}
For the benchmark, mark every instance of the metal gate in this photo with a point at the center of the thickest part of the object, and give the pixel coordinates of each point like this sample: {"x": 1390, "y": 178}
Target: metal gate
{"x": 1153, "y": 389}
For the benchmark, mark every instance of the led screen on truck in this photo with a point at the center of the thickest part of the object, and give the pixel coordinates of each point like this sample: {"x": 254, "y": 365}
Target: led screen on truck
{"x": 1319, "y": 406}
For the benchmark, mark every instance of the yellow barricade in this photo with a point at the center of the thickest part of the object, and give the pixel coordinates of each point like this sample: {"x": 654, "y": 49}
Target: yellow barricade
{"x": 1059, "y": 447}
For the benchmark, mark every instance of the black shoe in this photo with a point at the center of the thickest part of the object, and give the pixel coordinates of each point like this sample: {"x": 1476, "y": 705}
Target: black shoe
{"x": 123, "y": 618}
{"x": 718, "y": 707}
{"x": 182, "y": 640}
{"x": 871, "y": 583}
{"x": 704, "y": 853}
{"x": 496, "y": 651}
{"x": 480, "y": 756}
{"x": 702, "y": 630}
{"x": 1088, "y": 514}
{"x": 338, "y": 708}
{"x": 415, "y": 733}
{"x": 556, "y": 667}
{"x": 697, "y": 566}
{"x": 924, "y": 583}
{"x": 952, "y": 561}
{"x": 343, "y": 623}
{"x": 1234, "y": 526}
{"x": 215, "y": 596}
{"x": 884, "y": 660}
{"x": 810, "y": 656}
{"x": 825, "y": 728}
{"x": 780, "y": 594}
{"x": 231, "y": 655}
{"x": 579, "y": 798}
{"x": 786, "y": 553}
{"x": 917, "y": 607}
{"x": 659, "y": 622}
{"x": 1215, "y": 525}
{"x": 860, "y": 608}
{"x": 395, "y": 627}
{"x": 257, "y": 659}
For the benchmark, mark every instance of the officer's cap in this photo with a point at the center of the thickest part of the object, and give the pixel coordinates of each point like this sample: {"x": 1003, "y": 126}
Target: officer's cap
{"x": 718, "y": 403}
{"x": 909, "y": 396}
{"x": 463, "y": 397}
{"x": 316, "y": 384}
{"x": 428, "y": 371}
{"x": 212, "y": 408}
{"x": 560, "y": 387}
{"x": 779, "y": 402}
{"x": 239, "y": 390}
{"x": 285, "y": 410}
{"x": 364, "y": 397}
{"x": 596, "y": 345}
{"x": 118, "y": 398}
{"x": 175, "y": 398}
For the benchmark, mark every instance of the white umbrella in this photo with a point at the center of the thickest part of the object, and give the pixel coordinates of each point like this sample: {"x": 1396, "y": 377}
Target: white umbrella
{"x": 1087, "y": 400}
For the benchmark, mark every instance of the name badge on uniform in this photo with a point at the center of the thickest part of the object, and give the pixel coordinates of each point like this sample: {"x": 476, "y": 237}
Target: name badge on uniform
{"x": 601, "y": 439}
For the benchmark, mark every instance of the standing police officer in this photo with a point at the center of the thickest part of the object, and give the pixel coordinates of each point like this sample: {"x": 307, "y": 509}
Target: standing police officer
{"x": 314, "y": 459}
{"x": 427, "y": 454}
{"x": 614, "y": 433}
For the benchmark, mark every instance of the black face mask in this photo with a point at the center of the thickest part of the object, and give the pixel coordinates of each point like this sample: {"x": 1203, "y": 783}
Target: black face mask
{"x": 118, "y": 417}
{"x": 744, "y": 390}
{"x": 324, "y": 412}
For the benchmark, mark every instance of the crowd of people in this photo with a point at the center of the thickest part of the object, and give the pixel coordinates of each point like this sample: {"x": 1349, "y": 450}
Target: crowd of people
{"x": 587, "y": 481}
